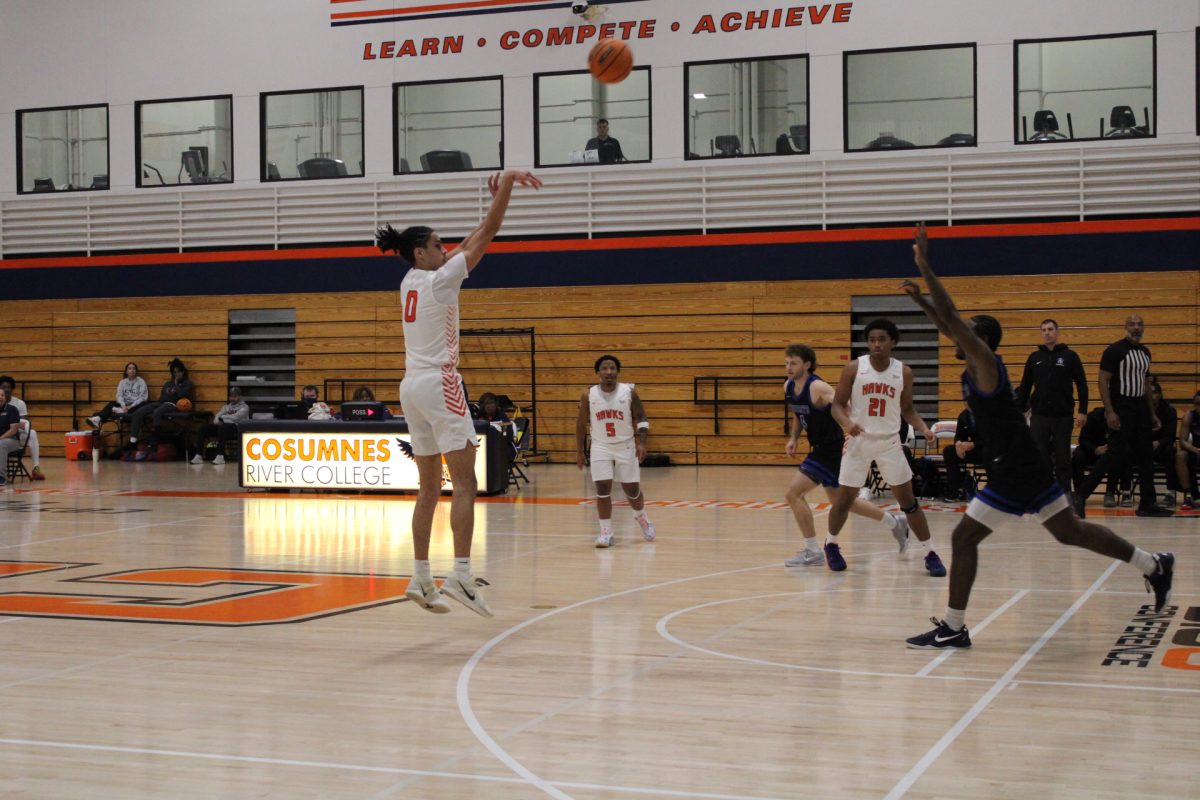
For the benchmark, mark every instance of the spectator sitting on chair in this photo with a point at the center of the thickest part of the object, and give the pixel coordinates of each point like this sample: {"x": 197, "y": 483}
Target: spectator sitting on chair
{"x": 1187, "y": 460}
{"x": 1164, "y": 441}
{"x": 174, "y": 390}
{"x": 309, "y": 395}
{"x": 27, "y": 434}
{"x": 10, "y": 424}
{"x": 131, "y": 393}
{"x": 490, "y": 410}
{"x": 608, "y": 148}
{"x": 363, "y": 394}
{"x": 224, "y": 425}
{"x": 1093, "y": 443}
{"x": 963, "y": 451}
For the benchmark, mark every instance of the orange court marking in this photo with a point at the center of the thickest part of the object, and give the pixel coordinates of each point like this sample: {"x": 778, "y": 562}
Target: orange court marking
{"x": 245, "y": 596}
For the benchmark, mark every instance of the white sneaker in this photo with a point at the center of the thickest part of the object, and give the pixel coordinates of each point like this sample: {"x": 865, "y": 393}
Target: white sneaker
{"x": 94, "y": 422}
{"x": 604, "y": 539}
{"x": 197, "y": 459}
{"x": 900, "y": 530}
{"x": 219, "y": 460}
{"x": 426, "y": 595}
{"x": 468, "y": 592}
{"x": 806, "y": 558}
{"x": 647, "y": 528}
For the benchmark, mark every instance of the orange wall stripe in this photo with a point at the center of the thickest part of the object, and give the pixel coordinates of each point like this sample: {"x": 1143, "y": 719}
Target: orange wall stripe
{"x": 643, "y": 242}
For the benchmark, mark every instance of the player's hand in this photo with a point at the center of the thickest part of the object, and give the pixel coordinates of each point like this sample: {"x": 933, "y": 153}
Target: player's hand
{"x": 579, "y": 459}
{"x": 1102, "y": 449}
{"x": 790, "y": 449}
{"x": 926, "y": 434}
{"x": 1112, "y": 420}
{"x": 1080, "y": 420}
{"x": 640, "y": 449}
{"x": 854, "y": 430}
{"x": 962, "y": 448}
{"x": 524, "y": 178}
{"x": 921, "y": 245}
{"x": 912, "y": 289}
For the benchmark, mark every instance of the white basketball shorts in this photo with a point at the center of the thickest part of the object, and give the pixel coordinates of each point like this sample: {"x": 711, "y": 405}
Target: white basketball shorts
{"x": 616, "y": 460}
{"x": 885, "y": 451}
{"x": 435, "y": 408}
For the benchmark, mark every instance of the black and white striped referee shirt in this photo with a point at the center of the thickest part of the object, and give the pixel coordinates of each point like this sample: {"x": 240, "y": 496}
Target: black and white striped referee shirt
{"x": 1128, "y": 363}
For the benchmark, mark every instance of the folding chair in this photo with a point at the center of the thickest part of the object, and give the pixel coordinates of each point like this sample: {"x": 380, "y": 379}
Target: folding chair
{"x": 15, "y": 468}
{"x": 520, "y": 455}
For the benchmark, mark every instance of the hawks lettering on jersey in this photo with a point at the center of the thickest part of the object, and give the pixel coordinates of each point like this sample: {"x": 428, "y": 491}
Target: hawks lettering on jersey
{"x": 875, "y": 399}
{"x": 611, "y": 414}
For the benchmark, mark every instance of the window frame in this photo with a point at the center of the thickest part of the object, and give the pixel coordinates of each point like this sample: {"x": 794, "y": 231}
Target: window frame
{"x": 262, "y": 131}
{"x": 137, "y": 141}
{"x": 1153, "y": 90}
{"x": 21, "y": 149}
{"x": 913, "y": 48}
{"x": 537, "y": 129}
{"x": 396, "y": 113}
{"x": 687, "y": 93}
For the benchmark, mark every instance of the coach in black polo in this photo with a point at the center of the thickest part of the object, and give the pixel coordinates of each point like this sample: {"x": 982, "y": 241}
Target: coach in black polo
{"x": 1131, "y": 418}
{"x": 1050, "y": 373}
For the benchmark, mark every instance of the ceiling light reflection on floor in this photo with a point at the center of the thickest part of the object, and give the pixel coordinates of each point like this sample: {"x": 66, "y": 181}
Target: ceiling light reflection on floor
{"x": 356, "y": 534}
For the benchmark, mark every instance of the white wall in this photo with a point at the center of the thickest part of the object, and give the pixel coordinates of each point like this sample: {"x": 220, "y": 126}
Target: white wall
{"x": 147, "y": 49}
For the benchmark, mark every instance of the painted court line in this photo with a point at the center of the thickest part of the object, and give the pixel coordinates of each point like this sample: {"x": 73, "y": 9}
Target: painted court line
{"x": 934, "y": 753}
{"x": 941, "y": 657}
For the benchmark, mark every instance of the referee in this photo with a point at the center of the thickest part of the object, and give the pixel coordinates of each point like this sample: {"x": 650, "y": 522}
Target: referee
{"x": 1131, "y": 418}
{"x": 1050, "y": 373}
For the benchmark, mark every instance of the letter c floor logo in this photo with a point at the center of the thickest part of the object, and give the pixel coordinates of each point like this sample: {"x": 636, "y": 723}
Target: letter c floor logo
{"x": 221, "y": 597}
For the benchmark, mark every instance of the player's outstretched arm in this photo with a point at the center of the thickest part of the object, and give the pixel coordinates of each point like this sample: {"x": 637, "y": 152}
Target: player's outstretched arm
{"x": 501, "y": 186}
{"x": 981, "y": 363}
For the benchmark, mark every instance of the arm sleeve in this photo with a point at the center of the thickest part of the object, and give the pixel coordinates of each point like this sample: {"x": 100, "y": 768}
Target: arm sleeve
{"x": 121, "y": 391}
{"x": 239, "y": 413}
{"x": 1081, "y": 387}
{"x": 449, "y": 279}
{"x": 1022, "y": 393}
{"x": 141, "y": 392}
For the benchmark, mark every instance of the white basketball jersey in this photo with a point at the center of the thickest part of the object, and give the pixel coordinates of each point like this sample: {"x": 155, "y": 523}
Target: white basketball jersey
{"x": 430, "y": 304}
{"x": 611, "y": 414}
{"x": 875, "y": 398}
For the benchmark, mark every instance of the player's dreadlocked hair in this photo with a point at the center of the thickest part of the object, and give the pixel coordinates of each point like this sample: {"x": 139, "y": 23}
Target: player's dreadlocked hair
{"x": 388, "y": 239}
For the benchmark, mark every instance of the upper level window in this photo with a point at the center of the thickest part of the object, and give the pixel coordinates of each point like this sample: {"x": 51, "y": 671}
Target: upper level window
{"x": 311, "y": 134}
{"x": 449, "y": 126}
{"x": 583, "y": 121}
{"x": 184, "y": 141}
{"x": 750, "y": 107}
{"x": 1090, "y": 87}
{"x": 910, "y": 97}
{"x": 62, "y": 149}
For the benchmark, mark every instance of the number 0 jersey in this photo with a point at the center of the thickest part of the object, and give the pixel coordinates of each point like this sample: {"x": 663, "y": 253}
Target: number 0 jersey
{"x": 875, "y": 398}
{"x": 430, "y": 302}
{"x": 611, "y": 414}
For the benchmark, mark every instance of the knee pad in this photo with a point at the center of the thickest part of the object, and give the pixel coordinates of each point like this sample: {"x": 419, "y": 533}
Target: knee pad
{"x": 916, "y": 505}
{"x": 603, "y": 496}
{"x": 634, "y": 497}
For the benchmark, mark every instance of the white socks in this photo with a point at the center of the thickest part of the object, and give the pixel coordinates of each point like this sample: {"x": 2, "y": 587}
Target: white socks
{"x": 811, "y": 545}
{"x": 462, "y": 567}
{"x": 1143, "y": 561}
{"x": 831, "y": 538}
{"x": 421, "y": 570}
{"x": 955, "y": 619}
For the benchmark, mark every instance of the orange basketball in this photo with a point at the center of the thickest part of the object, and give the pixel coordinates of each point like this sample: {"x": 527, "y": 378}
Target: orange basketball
{"x": 184, "y": 405}
{"x": 610, "y": 61}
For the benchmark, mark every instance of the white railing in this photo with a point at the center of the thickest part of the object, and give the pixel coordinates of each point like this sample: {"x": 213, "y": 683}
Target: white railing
{"x": 958, "y": 186}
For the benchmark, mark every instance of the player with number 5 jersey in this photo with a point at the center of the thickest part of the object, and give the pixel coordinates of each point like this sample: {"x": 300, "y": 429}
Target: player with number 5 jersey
{"x": 432, "y": 395}
{"x": 612, "y": 412}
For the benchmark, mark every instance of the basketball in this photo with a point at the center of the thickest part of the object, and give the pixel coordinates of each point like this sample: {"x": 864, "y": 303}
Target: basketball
{"x": 184, "y": 404}
{"x": 610, "y": 61}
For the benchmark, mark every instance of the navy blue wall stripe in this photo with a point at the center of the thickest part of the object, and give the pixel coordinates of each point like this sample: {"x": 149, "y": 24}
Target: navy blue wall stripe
{"x": 1019, "y": 255}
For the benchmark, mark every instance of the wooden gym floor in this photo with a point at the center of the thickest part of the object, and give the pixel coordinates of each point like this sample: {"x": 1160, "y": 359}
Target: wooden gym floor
{"x": 694, "y": 667}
